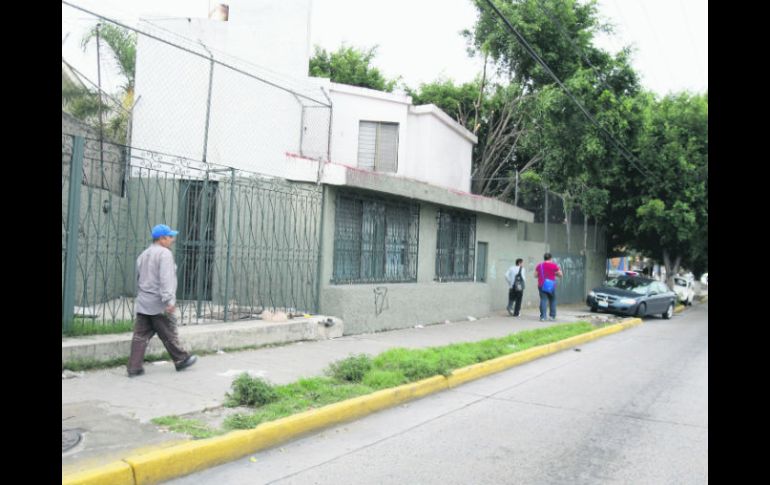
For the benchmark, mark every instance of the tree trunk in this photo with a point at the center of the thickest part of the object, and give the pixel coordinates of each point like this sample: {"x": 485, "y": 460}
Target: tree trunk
{"x": 568, "y": 220}
{"x": 671, "y": 267}
{"x": 585, "y": 234}
{"x": 481, "y": 94}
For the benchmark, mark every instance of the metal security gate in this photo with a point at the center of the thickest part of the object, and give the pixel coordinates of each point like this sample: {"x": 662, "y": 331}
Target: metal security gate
{"x": 571, "y": 288}
{"x": 246, "y": 243}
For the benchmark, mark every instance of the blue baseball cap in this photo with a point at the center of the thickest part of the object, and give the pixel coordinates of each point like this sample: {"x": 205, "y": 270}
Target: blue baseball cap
{"x": 163, "y": 230}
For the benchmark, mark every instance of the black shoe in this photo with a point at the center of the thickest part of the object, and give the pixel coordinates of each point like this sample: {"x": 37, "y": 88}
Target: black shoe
{"x": 134, "y": 373}
{"x": 187, "y": 362}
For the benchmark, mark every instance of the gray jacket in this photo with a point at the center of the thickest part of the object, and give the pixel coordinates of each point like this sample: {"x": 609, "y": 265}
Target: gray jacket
{"x": 155, "y": 280}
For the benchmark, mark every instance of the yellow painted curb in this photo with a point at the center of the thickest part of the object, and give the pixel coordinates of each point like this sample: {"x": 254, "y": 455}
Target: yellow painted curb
{"x": 115, "y": 473}
{"x": 482, "y": 369}
{"x": 201, "y": 454}
{"x": 192, "y": 456}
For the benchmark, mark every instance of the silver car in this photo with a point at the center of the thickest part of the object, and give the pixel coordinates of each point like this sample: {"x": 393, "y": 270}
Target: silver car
{"x": 633, "y": 295}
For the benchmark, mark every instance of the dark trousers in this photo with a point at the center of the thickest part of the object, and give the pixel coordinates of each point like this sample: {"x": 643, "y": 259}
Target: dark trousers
{"x": 145, "y": 327}
{"x": 514, "y": 297}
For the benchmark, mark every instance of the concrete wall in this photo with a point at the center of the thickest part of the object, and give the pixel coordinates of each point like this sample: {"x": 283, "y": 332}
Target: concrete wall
{"x": 439, "y": 150}
{"x": 252, "y": 123}
{"x": 432, "y": 147}
{"x": 532, "y": 236}
{"x": 353, "y": 104}
{"x": 382, "y": 306}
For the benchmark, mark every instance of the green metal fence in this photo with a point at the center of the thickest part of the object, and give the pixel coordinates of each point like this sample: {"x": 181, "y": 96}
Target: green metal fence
{"x": 246, "y": 242}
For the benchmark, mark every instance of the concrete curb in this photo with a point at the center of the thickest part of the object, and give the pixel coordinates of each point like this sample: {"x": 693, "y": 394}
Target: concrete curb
{"x": 206, "y": 337}
{"x": 192, "y": 456}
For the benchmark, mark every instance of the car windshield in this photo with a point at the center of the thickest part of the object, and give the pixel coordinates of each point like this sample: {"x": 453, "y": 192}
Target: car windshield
{"x": 631, "y": 284}
{"x": 680, "y": 281}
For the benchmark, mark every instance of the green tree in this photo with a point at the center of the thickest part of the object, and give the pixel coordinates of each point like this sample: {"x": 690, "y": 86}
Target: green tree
{"x": 122, "y": 47}
{"x": 492, "y": 112}
{"x": 652, "y": 192}
{"x": 348, "y": 65}
{"x": 554, "y": 29}
{"x": 121, "y": 44}
{"x": 76, "y": 99}
{"x": 672, "y": 212}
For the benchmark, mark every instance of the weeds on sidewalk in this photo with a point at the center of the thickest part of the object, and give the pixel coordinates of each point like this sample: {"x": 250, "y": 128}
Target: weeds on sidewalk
{"x": 81, "y": 327}
{"x": 191, "y": 427}
{"x": 361, "y": 374}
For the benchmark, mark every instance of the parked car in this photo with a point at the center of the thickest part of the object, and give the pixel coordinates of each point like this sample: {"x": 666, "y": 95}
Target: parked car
{"x": 704, "y": 278}
{"x": 633, "y": 295}
{"x": 684, "y": 289}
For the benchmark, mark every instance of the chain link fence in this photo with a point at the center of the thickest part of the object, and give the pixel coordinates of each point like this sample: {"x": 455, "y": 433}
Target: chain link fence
{"x": 582, "y": 233}
{"x": 161, "y": 85}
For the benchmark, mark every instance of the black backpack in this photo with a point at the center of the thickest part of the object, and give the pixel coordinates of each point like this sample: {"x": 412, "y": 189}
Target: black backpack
{"x": 518, "y": 282}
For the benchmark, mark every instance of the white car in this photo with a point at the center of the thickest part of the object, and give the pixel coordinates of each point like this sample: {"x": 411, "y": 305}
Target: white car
{"x": 684, "y": 290}
{"x": 704, "y": 279}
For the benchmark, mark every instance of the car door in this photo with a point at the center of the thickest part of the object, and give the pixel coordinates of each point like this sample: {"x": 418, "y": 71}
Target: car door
{"x": 655, "y": 299}
{"x": 663, "y": 297}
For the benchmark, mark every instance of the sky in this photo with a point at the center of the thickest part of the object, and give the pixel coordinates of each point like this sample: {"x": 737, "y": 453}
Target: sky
{"x": 420, "y": 40}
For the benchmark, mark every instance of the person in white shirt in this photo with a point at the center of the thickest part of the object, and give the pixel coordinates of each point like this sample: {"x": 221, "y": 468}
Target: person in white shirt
{"x": 515, "y": 278}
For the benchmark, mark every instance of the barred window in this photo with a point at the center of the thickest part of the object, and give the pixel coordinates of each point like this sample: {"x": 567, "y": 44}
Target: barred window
{"x": 375, "y": 240}
{"x": 378, "y": 146}
{"x": 455, "y": 247}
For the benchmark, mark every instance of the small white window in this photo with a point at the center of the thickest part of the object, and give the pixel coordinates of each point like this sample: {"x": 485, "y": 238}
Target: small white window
{"x": 378, "y": 146}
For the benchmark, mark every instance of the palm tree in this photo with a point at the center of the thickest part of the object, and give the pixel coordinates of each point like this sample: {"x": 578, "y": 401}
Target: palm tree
{"x": 122, "y": 46}
{"x": 76, "y": 98}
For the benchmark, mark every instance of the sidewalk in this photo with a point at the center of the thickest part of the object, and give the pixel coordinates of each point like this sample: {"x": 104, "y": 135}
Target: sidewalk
{"x": 112, "y": 413}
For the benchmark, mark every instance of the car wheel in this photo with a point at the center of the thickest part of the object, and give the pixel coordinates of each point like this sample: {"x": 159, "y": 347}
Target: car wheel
{"x": 641, "y": 310}
{"x": 594, "y": 309}
{"x": 670, "y": 312}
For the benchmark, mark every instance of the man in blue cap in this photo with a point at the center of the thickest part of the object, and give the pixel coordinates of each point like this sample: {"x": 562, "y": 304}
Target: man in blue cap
{"x": 156, "y": 302}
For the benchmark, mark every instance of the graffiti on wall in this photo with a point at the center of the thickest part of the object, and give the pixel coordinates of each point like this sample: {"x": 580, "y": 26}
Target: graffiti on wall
{"x": 380, "y": 300}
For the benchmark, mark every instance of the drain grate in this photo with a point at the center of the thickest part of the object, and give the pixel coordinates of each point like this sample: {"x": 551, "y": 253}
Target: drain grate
{"x": 69, "y": 438}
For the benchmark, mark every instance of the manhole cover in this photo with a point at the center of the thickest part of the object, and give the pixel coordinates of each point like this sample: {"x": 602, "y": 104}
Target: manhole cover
{"x": 69, "y": 438}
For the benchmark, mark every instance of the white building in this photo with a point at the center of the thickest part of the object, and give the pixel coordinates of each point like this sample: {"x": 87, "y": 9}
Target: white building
{"x": 402, "y": 240}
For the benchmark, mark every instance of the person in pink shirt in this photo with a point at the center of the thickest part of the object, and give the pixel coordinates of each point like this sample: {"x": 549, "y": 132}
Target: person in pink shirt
{"x": 547, "y": 270}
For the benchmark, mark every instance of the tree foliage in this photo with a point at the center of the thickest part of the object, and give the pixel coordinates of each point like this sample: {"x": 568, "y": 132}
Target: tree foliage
{"x": 349, "y": 65}
{"x": 553, "y": 28}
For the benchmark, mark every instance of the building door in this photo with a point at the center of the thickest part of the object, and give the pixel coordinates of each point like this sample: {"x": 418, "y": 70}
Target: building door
{"x": 481, "y": 265}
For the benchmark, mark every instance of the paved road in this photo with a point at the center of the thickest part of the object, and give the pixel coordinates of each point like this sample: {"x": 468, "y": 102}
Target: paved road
{"x": 629, "y": 408}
